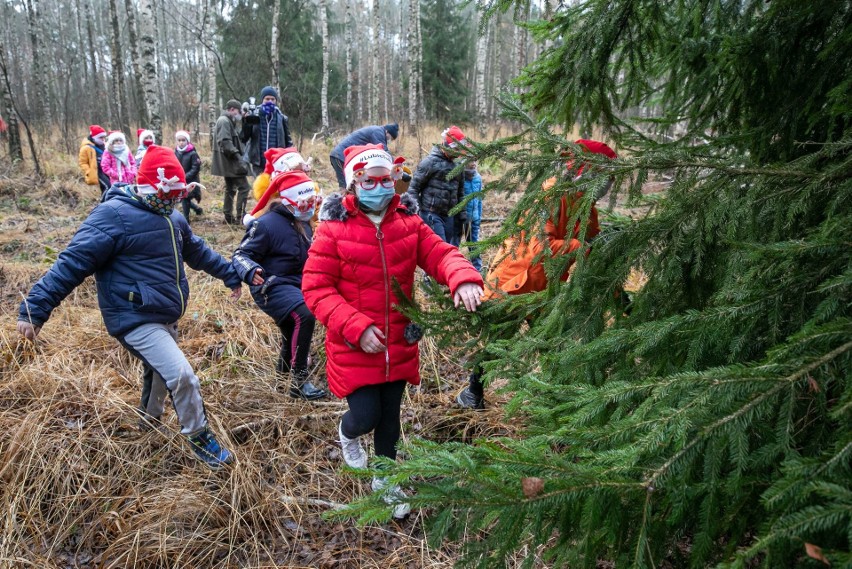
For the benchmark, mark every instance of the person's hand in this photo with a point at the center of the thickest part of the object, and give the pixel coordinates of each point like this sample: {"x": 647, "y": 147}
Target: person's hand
{"x": 236, "y": 292}
{"x": 470, "y": 295}
{"x": 257, "y": 278}
{"x": 28, "y": 330}
{"x": 371, "y": 340}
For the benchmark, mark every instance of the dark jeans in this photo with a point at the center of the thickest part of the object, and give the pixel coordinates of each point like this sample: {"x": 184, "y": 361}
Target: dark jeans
{"x": 338, "y": 171}
{"x": 187, "y": 203}
{"x": 442, "y": 225}
{"x": 298, "y": 326}
{"x": 240, "y": 188}
{"x": 375, "y": 408}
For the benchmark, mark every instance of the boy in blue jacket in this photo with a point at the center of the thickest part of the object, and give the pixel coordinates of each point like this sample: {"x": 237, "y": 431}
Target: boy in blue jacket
{"x": 136, "y": 244}
{"x": 470, "y": 228}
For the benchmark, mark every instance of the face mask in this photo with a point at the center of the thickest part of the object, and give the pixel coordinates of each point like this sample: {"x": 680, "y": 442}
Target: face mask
{"x": 147, "y": 142}
{"x": 375, "y": 200}
{"x": 268, "y": 107}
{"x": 118, "y": 147}
{"x": 304, "y": 215}
{"x": 158, "y": 205}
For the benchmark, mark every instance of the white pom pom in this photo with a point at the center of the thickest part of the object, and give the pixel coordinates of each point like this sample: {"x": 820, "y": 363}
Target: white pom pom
{"x": 248, "y": 219}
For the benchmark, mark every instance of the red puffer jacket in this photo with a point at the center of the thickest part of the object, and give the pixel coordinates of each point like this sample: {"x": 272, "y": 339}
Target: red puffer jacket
{"x": 347, "y": 283}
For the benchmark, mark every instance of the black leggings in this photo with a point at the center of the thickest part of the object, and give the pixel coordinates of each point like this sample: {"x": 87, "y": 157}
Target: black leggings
{"x": 298, "y": 325}
{"x": 375, "y": 408}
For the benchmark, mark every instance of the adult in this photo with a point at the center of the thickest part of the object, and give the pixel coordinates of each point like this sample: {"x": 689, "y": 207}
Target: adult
{"x": 89, "y": 158}
{"x": 227, "y": 162}
{"x": 265, "y": 127}
{"x": 435, "y": 190}
{"x": 367, "y": 135}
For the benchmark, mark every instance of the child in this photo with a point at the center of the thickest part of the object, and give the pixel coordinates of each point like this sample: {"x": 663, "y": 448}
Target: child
{"x": 146, "y": 139}
{"x": 117, "y": 162}
{"x": 191, "y": 163}
{"x": 90, "y": 156}
{"x": 470, "y": 230}
{"x": 271, "y": 258}
{"x": 366, "y": 241}
{"x": 516, "y": 271}
{"x": 133, "y": 244}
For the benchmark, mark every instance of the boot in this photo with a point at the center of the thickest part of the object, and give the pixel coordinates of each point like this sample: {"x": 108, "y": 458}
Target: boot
{"x": 301, "y": 388}
{"x": 393, "y": 496}
{"x": 353, "y": 453}
{"x": 208, "y": 450}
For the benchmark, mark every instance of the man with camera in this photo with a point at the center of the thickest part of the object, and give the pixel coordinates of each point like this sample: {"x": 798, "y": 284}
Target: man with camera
{"x": 264, "y": 127}
{"x": 228, "y": 162}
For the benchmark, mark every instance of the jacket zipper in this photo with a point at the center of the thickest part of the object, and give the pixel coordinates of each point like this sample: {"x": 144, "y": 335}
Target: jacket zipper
{"x": 177, "y": 264}
{"x": 380, "y": 236}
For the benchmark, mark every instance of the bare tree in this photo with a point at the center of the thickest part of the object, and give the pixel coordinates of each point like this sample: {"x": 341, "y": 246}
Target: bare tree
{"x": 133, "y": 36}
{"x": 13, "y": 133}
{"x": 274, "y": 50}
{"x": 374, "y": 71}
{"x": 323, "y": 8}
{"x": 414, "y": 62}
{"x": 148, "y": 62}
{"x": 119, "y": 100}
{"x": 481, "y": 62}
{"x": 39, "y": 69}
{"x": 348, "y": 25}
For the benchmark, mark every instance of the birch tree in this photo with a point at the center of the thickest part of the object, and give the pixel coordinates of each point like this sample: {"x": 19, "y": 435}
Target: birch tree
{"x": 148, "y": 61}
{"x": 13, "y": 133}
{"x": 133, "y": 36}
{"x": 276, "y": 53}
{"x": 39, "y": 70}
{"x": 323, "y": 8}
{"x": 481, "y": 62}
{"x": 374, "y": 74}
{"x": 413, "y": 63}
{"x": 117, "y": 96}
{"x": 347, "y": 40}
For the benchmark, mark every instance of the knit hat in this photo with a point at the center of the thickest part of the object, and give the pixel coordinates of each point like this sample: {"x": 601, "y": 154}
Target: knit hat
{"x": 232, "y": 104}
{"x": 183, "y": 134}
{"x": 267, "y": 91}
{"x": 95, "y": 130}
{"x": 278, "y": 160}
{"x": 359, "y": 159}
{"x": 143, "y": 133}
{"x": 161, "y": 173}
{"x": 454, "y": 136}
{"x": 392, "y": 129}
{"x": 290, "y": 186}
{"x": 113, "y": 136}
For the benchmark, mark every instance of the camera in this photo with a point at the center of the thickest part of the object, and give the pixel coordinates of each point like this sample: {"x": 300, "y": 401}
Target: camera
{"x": 250, "y": 108}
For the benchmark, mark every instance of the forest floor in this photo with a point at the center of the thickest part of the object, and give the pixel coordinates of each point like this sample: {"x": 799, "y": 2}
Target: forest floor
{"x": 82, "y": 487}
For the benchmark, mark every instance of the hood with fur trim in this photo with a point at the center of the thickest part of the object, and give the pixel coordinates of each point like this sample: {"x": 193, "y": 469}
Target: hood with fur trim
{"x": 334, "y": 209}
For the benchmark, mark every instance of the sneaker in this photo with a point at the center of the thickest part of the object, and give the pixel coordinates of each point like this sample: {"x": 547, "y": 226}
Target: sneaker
{"x": 393, "y": 496}
{"x": 353, "y": 453}
{"x": 468, "y": 400}
{"x": 208, "y": 450}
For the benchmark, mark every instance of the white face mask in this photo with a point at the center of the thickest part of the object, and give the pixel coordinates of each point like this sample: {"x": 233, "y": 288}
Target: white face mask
{"x": 118, "y": 147}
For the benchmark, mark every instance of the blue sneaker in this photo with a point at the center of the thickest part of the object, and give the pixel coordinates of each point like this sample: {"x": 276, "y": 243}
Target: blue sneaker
{"x": 208, "y": 449}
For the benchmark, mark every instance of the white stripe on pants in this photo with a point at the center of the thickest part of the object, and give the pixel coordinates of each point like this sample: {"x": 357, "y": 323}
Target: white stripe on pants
{"x": 156, "y": 345}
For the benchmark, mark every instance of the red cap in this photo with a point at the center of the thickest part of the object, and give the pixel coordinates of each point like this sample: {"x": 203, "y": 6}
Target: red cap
{"x": 161, "y": 170}
{"x": 597, "y": 147}
{"x": 453, "y": 136}
{"x": 95, "y": 130}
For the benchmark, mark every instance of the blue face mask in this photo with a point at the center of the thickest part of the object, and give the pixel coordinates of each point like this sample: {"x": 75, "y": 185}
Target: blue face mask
{"x": 268, "y": 107}
{"x": 304, "y": 215}
{"x": 375, "y": 200}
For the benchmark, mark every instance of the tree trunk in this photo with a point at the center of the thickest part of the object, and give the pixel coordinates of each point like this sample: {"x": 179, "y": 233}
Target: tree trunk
{"x": 133, "y": 36}
{"x": 42, "y": 109}
{"x": 481, "y": 98}
{"x": 347, "y": 40}
{"x": 148, "y": 59}
{"x": 324, "y": 96}
{"x": 374, "y": 70}
{"x": 274, "y": 50}
{"x": 119, "y": 98}
{"x": 413, "y": 63}
{"x": 13, "y": 132}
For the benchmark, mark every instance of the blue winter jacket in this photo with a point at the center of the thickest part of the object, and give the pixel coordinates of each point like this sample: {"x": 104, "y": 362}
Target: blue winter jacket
{"x": 137, "y": 258}
{"x": 274, "y": 243}
{"x": 474, "y": 206}
{"x": 366, "y": 135}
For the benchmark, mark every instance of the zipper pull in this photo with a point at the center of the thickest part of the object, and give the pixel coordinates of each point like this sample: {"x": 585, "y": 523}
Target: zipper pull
{"x": 379, "y": 234}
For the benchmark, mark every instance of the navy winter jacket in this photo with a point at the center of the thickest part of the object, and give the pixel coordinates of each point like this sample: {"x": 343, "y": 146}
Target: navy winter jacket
{"x": 273, "y": 243}
{"x": 366, "y": 135}
{"x": 137, "y": 258}
{"x": 190, "y": 161}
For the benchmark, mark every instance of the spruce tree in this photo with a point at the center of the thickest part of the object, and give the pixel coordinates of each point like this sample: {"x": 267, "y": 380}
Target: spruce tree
{"x": 712, "y": 425}
{"x": 447, "y": 57}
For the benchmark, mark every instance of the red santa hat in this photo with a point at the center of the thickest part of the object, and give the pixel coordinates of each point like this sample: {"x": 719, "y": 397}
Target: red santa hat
{"x": 291, "y": 186}
{"x": 96, "y": 130}
{"x": 143, "y": 133}
{"x": 161, "y": 173}
{"x": 593, "y": 146}
{"x": 369, "y": 159}
{"x": 278, "y": 160}
{"x": 454, "y": 136}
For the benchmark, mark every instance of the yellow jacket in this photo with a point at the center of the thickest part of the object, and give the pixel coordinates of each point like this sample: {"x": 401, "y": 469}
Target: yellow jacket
{"x": 88, "y": 159}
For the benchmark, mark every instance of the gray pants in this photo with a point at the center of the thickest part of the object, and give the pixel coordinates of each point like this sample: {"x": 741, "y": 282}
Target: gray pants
{"x": 235, "y": 187}
{"x": 167, "y": 371}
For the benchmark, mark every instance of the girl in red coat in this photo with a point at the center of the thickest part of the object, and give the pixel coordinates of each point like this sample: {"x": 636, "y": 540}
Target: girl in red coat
{"x": 367, "y": 239}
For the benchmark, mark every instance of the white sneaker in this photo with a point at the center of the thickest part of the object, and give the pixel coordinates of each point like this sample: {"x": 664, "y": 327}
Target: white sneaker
{"x": 393, "y": 497}
{"x": 353, "y": 453}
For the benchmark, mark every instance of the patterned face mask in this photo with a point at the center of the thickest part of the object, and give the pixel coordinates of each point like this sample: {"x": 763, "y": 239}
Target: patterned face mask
{"x": 159, "y": 205}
